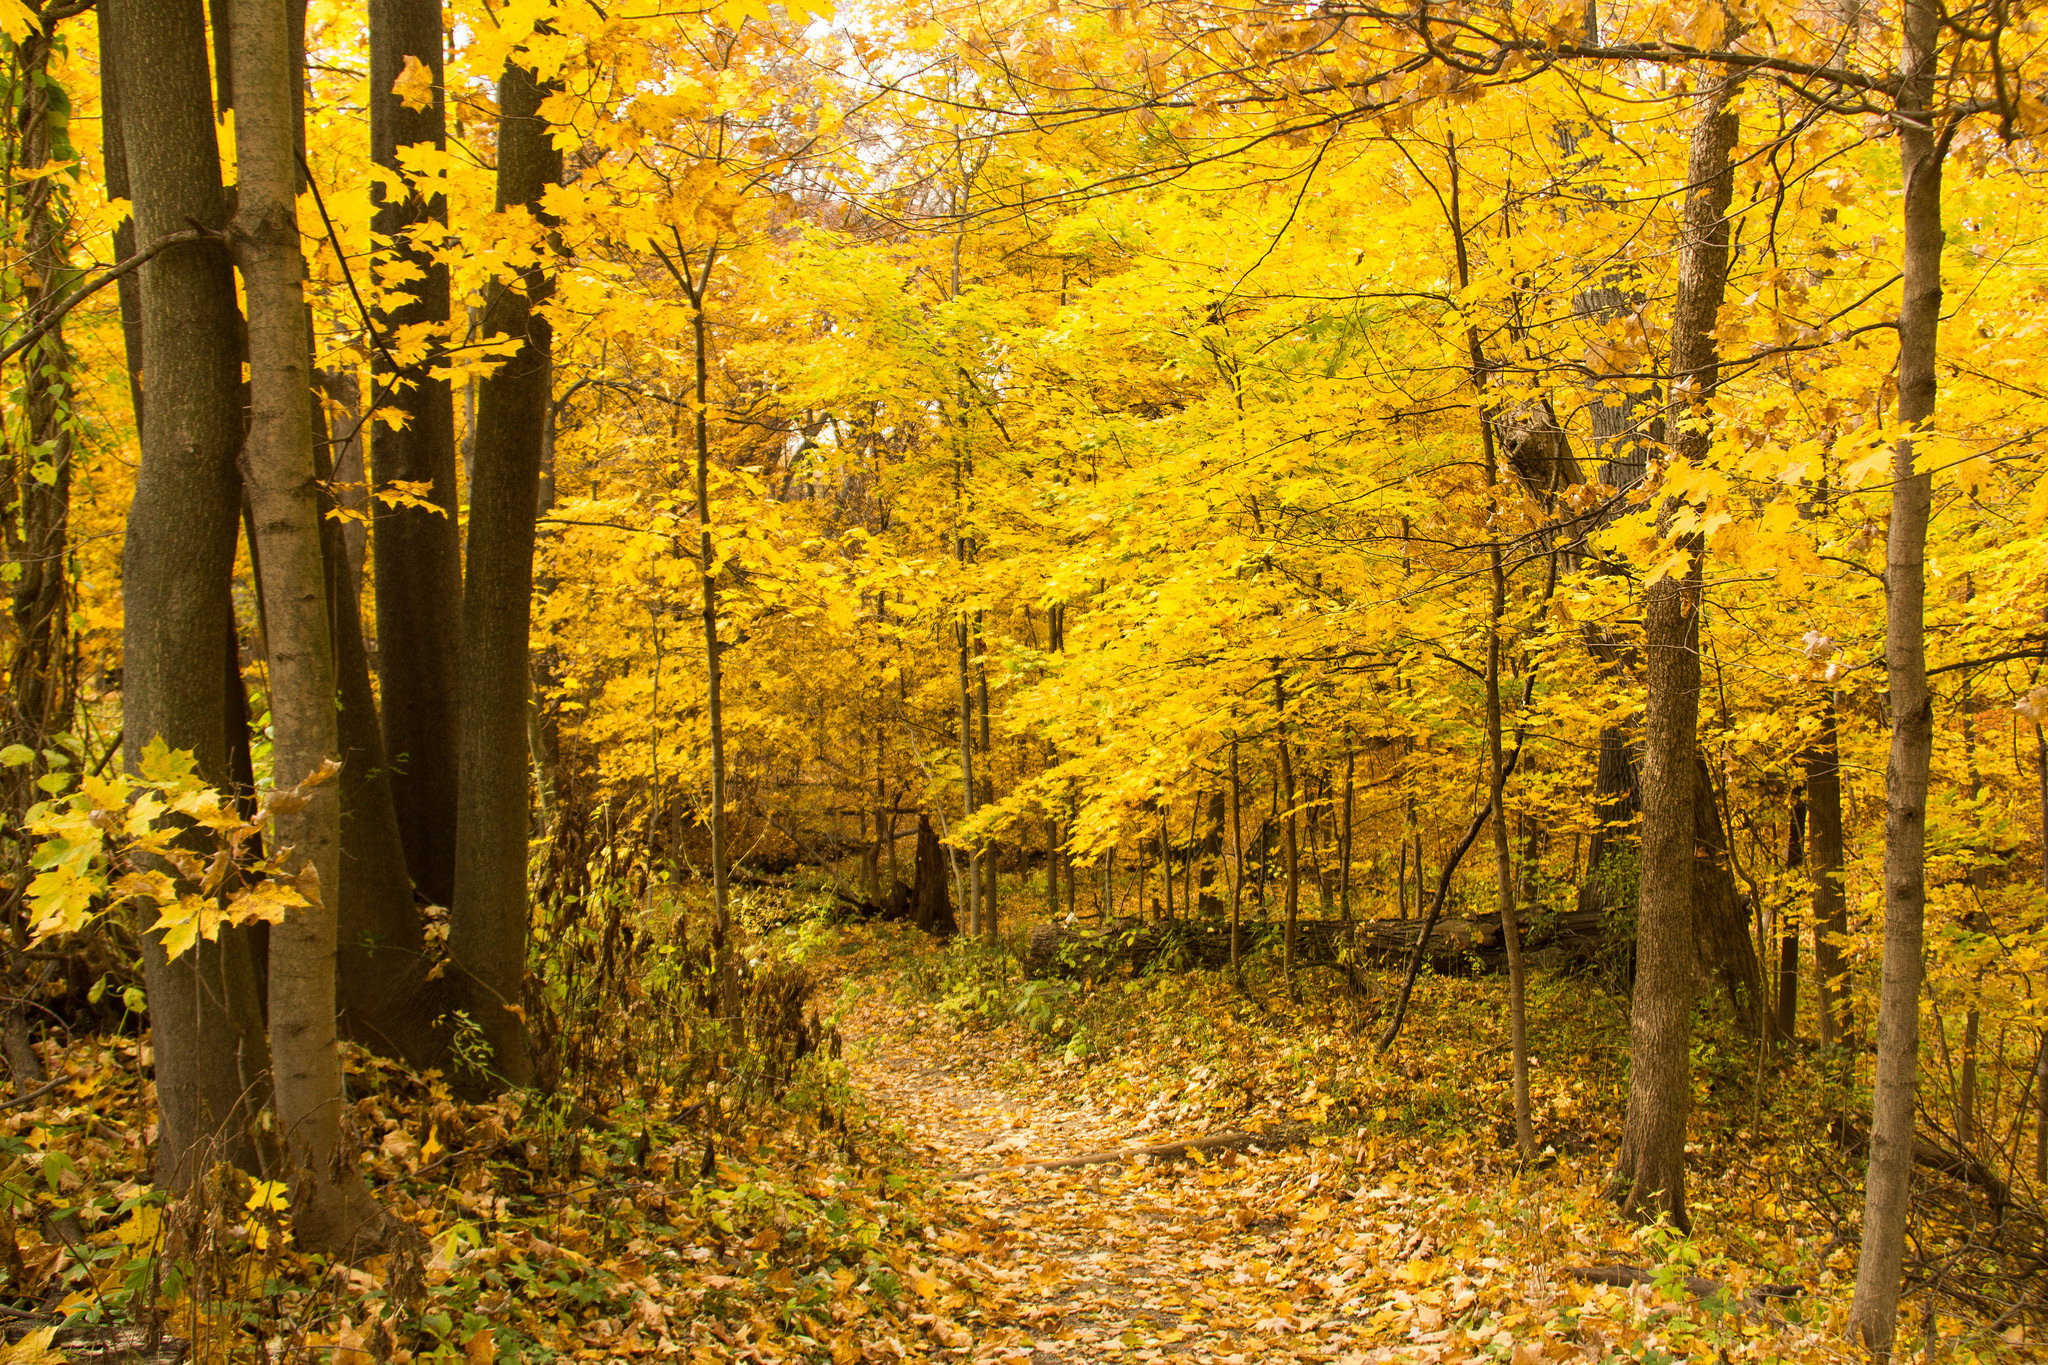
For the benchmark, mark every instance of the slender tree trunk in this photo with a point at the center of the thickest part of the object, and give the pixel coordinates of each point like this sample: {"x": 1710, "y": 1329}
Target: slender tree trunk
{"x": 283, "y": 495}
{"x": 1345, "y": 840}
{"x": 487, "y": 932}
{"x": 1236, "y": 860}
{"x": 1503, "y": 865}
{"x": 1788, "y": 930}
{"x": 212, "y": 1059}
{"x": 418, "y": 566}
{"x": 1649, "y": 1176}
{"x": 40, "y": 496}
{"x": 1873, "y": 1315}
{"x": 698, "y": 288}
{"x": 989, "y": 918}
{"x": 973, "y": 880}
{"x": 1825, "y": 862}
{"x": 1290, "y": 849}
{"x": 1503, "y": 869}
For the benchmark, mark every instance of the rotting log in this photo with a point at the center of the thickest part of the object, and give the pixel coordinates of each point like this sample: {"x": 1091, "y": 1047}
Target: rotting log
{"x": 1455, "y": 947}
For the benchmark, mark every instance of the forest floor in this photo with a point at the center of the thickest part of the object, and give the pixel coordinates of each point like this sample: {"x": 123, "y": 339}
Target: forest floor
{"x": 885, "y": 1202}
{"x": 1378, "y": 1214}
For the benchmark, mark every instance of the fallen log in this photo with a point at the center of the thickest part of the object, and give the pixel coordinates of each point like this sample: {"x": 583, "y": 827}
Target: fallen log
{"x": 1454, "y": 947}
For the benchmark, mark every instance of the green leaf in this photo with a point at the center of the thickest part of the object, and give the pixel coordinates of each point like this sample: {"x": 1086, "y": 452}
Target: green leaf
{"x": 14, "y": 755}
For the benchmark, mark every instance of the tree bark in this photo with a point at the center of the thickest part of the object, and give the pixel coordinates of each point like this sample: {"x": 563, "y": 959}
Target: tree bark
{"x": 1236, "y": 861}
{"x": 1649, "y": 1177}
{"x": 418, "y": 566}
{"x": 1720, "y": 921}
{"x": 1824, "y": 862}
{"x": 1873, "y": 1314}
{"x": 1290, "y": 851}
{"x": 40, "y": 498}
{"x": 1788, "y": 934}
{"x": 384, "y": 998}
{"x": 330, "y": 1209}
{"x": 487, "y": 932}
{"x": 212, "y": 1059}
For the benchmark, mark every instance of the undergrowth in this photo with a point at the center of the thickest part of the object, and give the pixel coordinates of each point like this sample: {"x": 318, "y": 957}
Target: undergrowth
{"x": 691, "y": 1187}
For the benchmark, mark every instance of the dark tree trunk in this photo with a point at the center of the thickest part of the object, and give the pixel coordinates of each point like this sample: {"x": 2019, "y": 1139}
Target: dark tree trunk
{"x": 212, "y": 1060}
{"x": 385, "y": 1000}
{"x": 931, "y": 907}
{"x": 1720, "y": 920}
{"x": 1825, "y": 862}
{"x": 487, "y": 931}
{"x": 1788, "y": 936}
{"x": 418, "y": 567}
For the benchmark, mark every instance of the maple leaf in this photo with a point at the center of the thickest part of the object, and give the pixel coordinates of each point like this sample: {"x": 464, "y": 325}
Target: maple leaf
{"x": 414, "y": 85}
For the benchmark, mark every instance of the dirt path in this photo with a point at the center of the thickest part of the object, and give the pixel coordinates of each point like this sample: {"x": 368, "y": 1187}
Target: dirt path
{"x": 1237, "y": 1259}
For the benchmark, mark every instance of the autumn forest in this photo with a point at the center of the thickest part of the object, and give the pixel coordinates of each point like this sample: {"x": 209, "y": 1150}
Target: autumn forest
{"x": 1065, "y": 681}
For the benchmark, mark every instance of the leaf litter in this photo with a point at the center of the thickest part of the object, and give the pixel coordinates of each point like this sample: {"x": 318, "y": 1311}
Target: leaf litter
{"x": 892, "y": 1206}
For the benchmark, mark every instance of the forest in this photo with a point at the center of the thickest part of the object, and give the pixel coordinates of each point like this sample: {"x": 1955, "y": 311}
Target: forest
{"x": 1026, "y": 680}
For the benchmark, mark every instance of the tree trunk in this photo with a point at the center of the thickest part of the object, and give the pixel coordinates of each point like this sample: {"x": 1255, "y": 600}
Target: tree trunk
{"x": 1290, "y": 848}
{"x": 418, "y": 567}
{"x": 114, "y": 171}
{"x": 972, "y": 883}
{"x": 384, "y": 998}
{"x": 212, "y": 1060}
{"x": 1788, "y": 933}
{"x": 1824, "y": 863}
{"x": 1873, "y": 1315}
{"x": 1649, "y": 1176}
{"x": 931, "y": 907}
{"x": 331, "y": 1211}
{"x": 1236, "y": 860}
{"x": 1720, "y": 922}
{"x": 40, "y": 495}
{"x": 487, "y": 931}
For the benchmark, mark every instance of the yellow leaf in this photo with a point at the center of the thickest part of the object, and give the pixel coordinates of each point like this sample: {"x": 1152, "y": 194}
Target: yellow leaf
{"x": 415, "y": 85}
{"x": 37, "y": 1348}
{"x": 269, "y": 1194}
{"x": 17, "y": 21}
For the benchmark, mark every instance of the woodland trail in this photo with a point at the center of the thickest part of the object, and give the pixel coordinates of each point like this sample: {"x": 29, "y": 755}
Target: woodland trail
{"x": 1237, "y": 1258}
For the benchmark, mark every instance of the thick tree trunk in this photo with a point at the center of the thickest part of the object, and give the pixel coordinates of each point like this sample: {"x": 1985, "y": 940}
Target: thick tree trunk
{"x": 418, "y": 566}
{"x": 487, "y": 932}
{"x": 1873, "y": 1315}
{"x": 1649, "y": 1176}
{"x": 212, "y": 1060}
